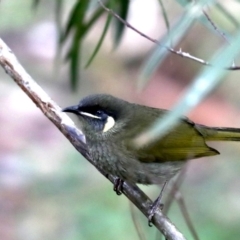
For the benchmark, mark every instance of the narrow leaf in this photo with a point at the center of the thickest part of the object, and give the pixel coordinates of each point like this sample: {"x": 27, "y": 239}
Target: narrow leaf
{"x": 99, "y": 44}
{"x": 119, "y": 26}
{"x": 204, "y": 83}
{"x": 192, "y": 12}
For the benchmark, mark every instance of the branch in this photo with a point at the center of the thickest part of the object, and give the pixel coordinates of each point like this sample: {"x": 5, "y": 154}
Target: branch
{"x": 175, "y": 194}
{"x": 53, "y": 112}
{"x": 172, "y": 50}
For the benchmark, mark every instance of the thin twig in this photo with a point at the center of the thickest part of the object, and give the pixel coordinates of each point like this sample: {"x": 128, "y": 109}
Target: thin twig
{"x": 53, "y": 112}
{"x": 175, "y": 194}
{"x": 222, "y": 34}
{"x": 177, "y": 52}
{"x": 180, "y": 200}
{"x": 174, "y": 188}
{"x": 137, "y": 226}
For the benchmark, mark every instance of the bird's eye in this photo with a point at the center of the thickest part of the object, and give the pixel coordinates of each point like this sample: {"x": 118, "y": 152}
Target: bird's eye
{"x": 99, "y": 112}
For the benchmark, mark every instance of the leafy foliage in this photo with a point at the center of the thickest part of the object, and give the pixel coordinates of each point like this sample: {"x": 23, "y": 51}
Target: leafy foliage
{"x": 85, "y": 14}
{"x": 79, "y": 24}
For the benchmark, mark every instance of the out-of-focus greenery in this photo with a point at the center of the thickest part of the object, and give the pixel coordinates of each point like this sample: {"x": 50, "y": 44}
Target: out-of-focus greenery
{"x": 85, "y": 14}
{"x": 48, "y": 191}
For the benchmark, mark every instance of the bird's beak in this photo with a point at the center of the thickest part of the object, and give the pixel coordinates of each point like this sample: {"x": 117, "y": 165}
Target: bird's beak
{"x": 71, "y": 109}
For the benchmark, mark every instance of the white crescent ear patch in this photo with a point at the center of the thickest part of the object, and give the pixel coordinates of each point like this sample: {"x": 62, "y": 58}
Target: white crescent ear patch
{"x": 109, "y": 124}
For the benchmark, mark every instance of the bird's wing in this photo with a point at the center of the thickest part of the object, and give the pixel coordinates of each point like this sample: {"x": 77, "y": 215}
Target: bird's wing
{"x": 183, "y": 142}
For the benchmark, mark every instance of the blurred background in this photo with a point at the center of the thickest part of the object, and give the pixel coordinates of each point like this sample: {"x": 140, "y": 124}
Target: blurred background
{"x": 47, "y": 189}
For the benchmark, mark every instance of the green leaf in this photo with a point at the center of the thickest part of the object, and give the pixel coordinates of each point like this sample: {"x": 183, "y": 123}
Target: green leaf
{"x": 99, "y": 44}
{"x": 95, "y": 16}
{"x": 184, "y": 3}
{"x": 208, "y": 24}
{"x": 204, "y": 83}
{"x": 75, "y": 62}
{"x": 119, "y": 26}
{"x": 35, "y": 3}
{"x": 165, "y": 17}
{"x": 76, "y": 18}
{"x": 76, "y": 22}
{"x": 71, "y": 22}
{"x": 228, "y": 15}
{"x": 179, "y": 30}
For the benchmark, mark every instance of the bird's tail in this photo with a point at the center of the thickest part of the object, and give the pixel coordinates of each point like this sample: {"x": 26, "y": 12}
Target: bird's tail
{"x": 219, "y": 133}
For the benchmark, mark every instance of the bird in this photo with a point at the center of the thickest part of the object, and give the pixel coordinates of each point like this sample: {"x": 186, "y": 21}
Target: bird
{"x": 111, "y": 126}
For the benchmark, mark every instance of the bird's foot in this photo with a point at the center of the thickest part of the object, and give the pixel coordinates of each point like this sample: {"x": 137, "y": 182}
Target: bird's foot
{"x": 157, "y": 204}
{"x": 118, "y": 186}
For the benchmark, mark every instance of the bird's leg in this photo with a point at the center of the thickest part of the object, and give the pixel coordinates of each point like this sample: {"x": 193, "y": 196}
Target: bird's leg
{"x": 156, "y": 204}
{"x": 118, "y": 186}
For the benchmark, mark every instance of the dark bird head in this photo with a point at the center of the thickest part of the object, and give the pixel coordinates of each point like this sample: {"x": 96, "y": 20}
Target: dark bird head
{"x": 100, "y": 114}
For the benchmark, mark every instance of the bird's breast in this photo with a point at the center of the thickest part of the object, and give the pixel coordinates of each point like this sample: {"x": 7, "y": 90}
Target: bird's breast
{"x": 116, "y": 160}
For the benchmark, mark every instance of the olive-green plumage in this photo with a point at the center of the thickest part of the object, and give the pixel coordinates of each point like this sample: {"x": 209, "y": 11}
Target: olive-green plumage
{"x": 111, "y": 125}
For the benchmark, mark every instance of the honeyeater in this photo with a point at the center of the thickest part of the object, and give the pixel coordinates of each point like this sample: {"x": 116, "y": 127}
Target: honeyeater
{"x": 111, "y": 125}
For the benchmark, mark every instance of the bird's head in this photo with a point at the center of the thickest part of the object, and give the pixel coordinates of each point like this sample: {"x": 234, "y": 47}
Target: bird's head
{"x": 100, "y": 114}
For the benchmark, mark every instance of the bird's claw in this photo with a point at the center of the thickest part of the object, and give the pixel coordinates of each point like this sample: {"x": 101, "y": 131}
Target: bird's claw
{"x": 118, "y": 186}
{"x": 155, "y": 206}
